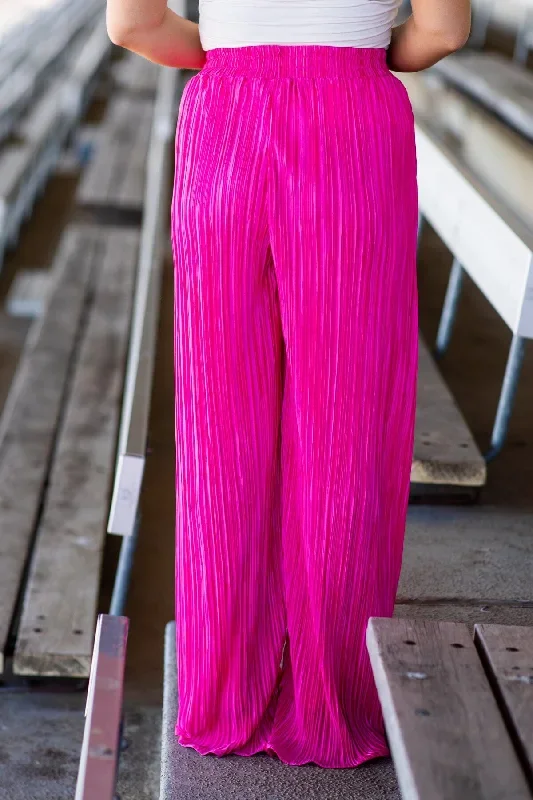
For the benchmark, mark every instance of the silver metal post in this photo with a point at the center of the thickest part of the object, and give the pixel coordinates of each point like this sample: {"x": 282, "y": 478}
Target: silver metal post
{"x": 420, "y": 227}
{"x": 123, "y": 574}
{"x": 480, "y": 24}
{"x": 507, "y": 396}
{"x": 449, "y": 309}
{"x": 524, "y": 39}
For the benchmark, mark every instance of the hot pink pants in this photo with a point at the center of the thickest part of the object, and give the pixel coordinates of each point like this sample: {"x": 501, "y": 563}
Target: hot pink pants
{"x": 294, "y": 222}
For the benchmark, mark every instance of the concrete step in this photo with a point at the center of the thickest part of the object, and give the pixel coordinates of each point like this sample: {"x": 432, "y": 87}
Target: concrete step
{"x": 186, "y": 775}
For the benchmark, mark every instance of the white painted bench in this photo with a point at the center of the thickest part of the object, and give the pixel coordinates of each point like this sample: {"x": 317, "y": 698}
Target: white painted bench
{"x": 502, "y": 86}
{"x": 489, "y": 242}
{"x": 458, "y": 710}
{"x": 44, "y": 129}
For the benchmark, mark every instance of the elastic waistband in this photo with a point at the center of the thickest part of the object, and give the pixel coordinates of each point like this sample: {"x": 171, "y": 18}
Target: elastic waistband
{"x": 302, "y": 61}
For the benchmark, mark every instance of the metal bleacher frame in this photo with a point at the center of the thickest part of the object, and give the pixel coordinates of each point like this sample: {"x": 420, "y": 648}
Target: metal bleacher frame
{"x": 98, "y": 775}
{"x": 35, "y": 72}
{"x": 458, "y": 227}
{"x": 459, "y": 208}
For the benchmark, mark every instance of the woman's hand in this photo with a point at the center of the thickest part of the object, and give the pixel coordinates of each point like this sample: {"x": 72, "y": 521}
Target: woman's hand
{"x": 152, "y": 30}
{"x": 435, "y": 29}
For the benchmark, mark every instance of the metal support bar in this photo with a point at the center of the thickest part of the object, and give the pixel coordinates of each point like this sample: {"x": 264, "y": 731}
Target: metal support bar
{"x": 507, "y": 396}
{"x": 449, "y": 309}
{"x": 137, "y": 393}
{"x": 524, "y": 39}
{"x": 97, "y": 773}
{"x": 123, "y": 574}
{"x": 480, "y": 25}
{"x": 420, "y": 228}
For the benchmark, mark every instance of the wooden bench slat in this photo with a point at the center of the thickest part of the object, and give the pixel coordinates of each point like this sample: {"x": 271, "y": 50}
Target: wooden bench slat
{"x": 60, "y": 602}
{"x": 508, "y": 650}
{"x": 445, "y": 451}
{"x": 29, "y": 420}
{"x": 446, "y": 734}
{"x": 116, "y": 176}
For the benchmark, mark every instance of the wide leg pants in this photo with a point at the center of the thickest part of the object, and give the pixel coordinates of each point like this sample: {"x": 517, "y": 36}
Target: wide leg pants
{"x": 294, "y": 223}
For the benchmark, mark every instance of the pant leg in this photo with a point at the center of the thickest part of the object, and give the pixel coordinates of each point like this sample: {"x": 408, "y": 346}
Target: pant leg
{"x": 230, "y": 622}
{"x": 343, "y": 222}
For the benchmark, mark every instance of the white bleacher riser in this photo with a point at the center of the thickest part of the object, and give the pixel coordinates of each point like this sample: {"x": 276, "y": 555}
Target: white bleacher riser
{"x": 492, "y": 245}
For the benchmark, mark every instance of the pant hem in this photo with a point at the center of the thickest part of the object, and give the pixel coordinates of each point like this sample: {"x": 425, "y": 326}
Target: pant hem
{"x": 268, "y": 749}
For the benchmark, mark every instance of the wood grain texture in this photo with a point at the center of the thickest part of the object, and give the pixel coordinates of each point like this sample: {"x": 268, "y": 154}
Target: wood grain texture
{"x": 445, "y": 452}
{"x": 446, "y": 734}
{"x": 32, "y": 410}
{"x": 116, "y": 175}
{"x": 56, "y": 629}
{"x": 508, "y": 652}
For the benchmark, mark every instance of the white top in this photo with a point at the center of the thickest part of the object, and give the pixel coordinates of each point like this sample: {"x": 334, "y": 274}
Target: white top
{"x": 342, "y": 23}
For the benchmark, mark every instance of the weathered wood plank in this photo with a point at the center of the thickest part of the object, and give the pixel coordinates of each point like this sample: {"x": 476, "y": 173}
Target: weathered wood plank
{"x": 116, "y": 175}
{"x": 445, "y": 452}
{"x": 55, "y": 634}
{"x": 508, "y": 651}
{"x": 99, "y": 755}
{"x": 446, "y": 734}
{"x": 29, "y": 420}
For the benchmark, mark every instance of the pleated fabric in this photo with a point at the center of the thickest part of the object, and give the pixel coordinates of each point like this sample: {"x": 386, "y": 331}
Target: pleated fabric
{"x": 294, "y": 222}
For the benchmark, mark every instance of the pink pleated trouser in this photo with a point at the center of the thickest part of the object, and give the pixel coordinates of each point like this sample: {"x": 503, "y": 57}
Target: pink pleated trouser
{"x": 294, "y": 221}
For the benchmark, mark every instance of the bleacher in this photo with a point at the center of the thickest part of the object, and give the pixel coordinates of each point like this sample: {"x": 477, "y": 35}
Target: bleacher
{"x": 74, "y": 420}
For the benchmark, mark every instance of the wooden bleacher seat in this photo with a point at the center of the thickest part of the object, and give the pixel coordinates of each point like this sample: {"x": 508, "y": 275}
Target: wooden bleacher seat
{"x": 494, "y": 81}
{"x": 445, "y": 452}
{"x": 135, "y": 74}
{"x": 57, "y": 445}
{"x": 83, "y": 68}
{"x": 115, "y": 178}
{"x": 458, "y": 711}
{"x": 42, "y": 129}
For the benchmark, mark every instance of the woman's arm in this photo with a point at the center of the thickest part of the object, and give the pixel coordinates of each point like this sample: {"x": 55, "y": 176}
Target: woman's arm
{"x": 435, "y": 29}
{"x": 152, "y": 30}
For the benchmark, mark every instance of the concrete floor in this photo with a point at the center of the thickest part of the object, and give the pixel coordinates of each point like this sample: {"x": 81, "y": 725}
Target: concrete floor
{"x": 466, "y": 563}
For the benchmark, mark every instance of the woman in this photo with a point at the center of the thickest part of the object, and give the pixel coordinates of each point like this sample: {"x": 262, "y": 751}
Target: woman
{"x": 294, "y": 222}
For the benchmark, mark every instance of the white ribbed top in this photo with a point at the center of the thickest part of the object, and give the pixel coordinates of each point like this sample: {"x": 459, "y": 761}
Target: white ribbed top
{"x": 342, "y": 23}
